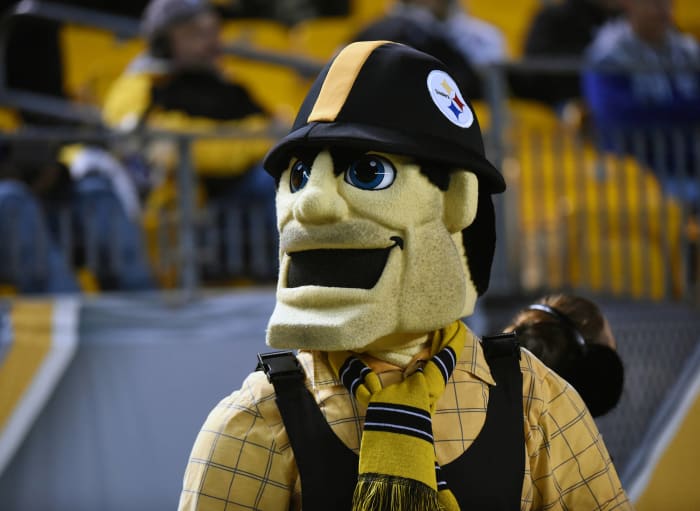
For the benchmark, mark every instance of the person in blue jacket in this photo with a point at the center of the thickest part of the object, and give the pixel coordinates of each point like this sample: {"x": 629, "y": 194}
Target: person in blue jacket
{"x": 642, "y": 87}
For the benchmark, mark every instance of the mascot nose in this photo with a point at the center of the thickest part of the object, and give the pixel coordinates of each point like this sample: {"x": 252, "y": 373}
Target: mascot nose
{"x": 320, "y": 203}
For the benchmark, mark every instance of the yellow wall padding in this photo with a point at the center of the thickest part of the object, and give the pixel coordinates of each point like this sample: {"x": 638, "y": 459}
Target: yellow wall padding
{"x": 32, "y": 326}
{"x": 674, "y": 482}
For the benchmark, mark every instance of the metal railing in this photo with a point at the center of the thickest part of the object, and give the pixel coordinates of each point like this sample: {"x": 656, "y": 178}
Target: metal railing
{"x": 574, "y": 217}
{"x": 185, "y": 234}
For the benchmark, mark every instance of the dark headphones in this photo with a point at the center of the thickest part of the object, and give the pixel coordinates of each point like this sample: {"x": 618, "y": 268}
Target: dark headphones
{"x": 595, "y": 371}
{"x": 563, "y": 319}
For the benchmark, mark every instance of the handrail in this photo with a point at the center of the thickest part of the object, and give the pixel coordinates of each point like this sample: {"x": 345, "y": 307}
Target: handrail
{"x": 120, "y": 25}
{"x": 68, "y": 134}
{"x": 188, "y": 273}
{"x": 45, "y": 104}
{"x": 305, "y": 67}
{"x": 556, "y": 65}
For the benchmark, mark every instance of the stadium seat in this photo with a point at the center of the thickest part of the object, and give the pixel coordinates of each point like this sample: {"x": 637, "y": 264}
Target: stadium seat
{"x": 278, "y": 88}
{"x": 513, "y": 21}
{"x": 320, "y": 38}
{"x": 93, "y": 59}
{"x": 687, "y": 15}
{"x": 588, "y": 220}
{"x": 365, "y": 11}
{"x": 9, "y": 121}
{"x": 267, "y": 34}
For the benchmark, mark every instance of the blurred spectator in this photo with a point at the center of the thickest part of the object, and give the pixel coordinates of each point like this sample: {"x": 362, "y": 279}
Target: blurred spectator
{"x": 571, "y": 336}
{"x": 642, "y": 86}
{"x": 30, "y": 259}
{"x": 560, "y": 30}
{"x": 481, "y": 42}
{"x": 177, "y": 86}
{"x": 46, "y": 210}
{"x": 423, "y": 24}
{"x": 95, "y": 203}
{"x": 104, "y": 212}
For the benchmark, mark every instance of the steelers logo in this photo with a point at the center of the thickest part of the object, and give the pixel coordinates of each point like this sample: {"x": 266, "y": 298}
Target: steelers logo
{"x": 449, "y": 100}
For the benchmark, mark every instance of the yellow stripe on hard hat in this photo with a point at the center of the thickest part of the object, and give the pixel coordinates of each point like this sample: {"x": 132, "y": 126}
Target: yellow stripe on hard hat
{"x": 339, "y": 81}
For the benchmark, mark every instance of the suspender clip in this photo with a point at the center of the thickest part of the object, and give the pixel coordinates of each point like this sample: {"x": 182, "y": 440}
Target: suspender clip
{"x": 279, "y": 365}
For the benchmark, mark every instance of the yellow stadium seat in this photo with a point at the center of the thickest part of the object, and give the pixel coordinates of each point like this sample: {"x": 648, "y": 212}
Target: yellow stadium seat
{"x": 589, "y": 220}
{"x": 7, "y": 290}
{"x": 159, "y": 222}
{"x": 687, "y": 15}
{"x": 532, "y": 114}
{"x": 93, "y": 59}
{"x": 9, "y": 120}
{"x": 87, "y": 281}
{"x": 266, "y": 34}
{"x": 364, "y": 11}
{"x": 513, "y": 19}
{"x": 320, "y": 38}
{"x": 278, "y": 88}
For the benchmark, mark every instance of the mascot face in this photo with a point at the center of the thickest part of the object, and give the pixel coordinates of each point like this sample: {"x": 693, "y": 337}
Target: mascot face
{"x": 370, "y": 251}
{"x": 372, "y": 244}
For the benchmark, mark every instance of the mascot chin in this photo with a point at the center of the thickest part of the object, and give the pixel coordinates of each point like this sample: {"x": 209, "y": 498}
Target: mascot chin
{"x": 387, "y": 236}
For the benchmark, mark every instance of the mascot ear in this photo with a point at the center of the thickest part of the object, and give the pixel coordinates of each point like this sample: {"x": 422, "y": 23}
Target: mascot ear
{"x": 461, "y": 200}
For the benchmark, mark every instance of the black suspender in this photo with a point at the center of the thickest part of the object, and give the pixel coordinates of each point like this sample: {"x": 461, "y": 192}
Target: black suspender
{"x": 316, "y": 448}
{"x": 489, "y": 474}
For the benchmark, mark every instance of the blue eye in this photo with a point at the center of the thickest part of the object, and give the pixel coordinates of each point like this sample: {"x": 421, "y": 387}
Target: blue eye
{"x": 299, "y": 176}
{"x": 371, "y": 172}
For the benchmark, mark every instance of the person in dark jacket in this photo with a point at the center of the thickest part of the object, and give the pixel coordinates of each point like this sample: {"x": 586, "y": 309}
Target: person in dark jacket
{"x": 642, "y": 87}
{"x": 420, "y": 24}
{"x": 560, "y": 30}
{"x": 178, "y": 85}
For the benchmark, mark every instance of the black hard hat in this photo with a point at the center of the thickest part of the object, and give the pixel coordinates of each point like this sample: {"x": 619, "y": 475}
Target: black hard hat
{"x": 393, "y": 98}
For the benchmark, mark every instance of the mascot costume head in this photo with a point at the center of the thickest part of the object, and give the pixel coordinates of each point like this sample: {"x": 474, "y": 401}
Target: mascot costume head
{"x": 386, "y": 239}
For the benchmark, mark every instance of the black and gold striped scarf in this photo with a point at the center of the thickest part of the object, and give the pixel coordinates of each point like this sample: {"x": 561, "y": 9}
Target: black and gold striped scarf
{"x": 398, "y": 468}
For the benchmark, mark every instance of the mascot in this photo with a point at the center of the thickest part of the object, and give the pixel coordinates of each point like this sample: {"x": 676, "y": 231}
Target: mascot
{"x": 386, "y": 240}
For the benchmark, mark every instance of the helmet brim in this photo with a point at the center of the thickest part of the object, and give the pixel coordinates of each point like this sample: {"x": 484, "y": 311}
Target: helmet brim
{"x": 376, "y": 138}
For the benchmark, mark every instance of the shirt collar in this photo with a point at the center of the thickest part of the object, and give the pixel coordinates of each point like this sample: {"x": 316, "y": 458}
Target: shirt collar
{"x": 471, "y": 364}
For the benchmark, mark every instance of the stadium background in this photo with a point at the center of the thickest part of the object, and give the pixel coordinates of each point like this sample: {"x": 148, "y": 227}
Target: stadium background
{"x": 101, "y": 395}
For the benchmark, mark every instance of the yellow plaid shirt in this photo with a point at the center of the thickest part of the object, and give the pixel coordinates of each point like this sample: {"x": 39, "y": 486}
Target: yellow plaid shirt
{"x": 242, "y": 458}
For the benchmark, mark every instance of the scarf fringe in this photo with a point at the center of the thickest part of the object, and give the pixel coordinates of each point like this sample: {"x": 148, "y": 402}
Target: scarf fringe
{"x": 380, "y": 492}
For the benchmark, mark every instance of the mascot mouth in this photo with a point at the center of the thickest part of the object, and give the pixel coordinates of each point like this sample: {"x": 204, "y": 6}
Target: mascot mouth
{"x": 349, "y": 268}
